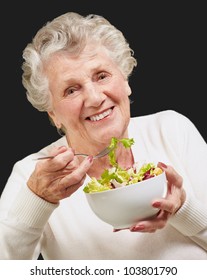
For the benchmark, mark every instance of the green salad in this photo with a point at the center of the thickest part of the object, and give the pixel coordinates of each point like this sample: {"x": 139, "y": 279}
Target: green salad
{"x": 116, "y": 176}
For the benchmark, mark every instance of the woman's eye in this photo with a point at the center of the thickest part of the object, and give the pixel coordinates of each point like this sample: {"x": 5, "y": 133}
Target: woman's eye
{"x": 102, "y": 76}
{"x": 71, "y": 91}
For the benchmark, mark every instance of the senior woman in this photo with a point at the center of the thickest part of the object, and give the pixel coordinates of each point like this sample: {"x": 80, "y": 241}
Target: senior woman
{"x": 76, "y": 69}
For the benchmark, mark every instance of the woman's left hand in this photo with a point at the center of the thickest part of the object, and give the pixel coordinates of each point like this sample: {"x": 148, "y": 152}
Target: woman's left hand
{"x": 168, "y": 206}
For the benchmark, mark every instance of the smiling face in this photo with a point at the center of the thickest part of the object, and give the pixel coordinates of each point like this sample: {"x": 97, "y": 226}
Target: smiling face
{"x": 90, "y": 97}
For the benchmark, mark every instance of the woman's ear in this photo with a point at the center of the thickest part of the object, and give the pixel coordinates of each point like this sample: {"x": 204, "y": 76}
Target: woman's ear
{"x": 53, "y": 119}
{"x": 128, "y": 89}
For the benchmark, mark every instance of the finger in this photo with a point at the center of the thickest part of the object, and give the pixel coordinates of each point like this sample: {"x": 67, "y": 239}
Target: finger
{"x": 58, "y": 150}
{"x": 71, "y": 189}
{"x": 54, "y": 151}
{"x": 152, "y": 225}
{"x": 59, "y": 162}
{"x": 76, "y": 176}
{"x": 165, "y": 205}
{"x": 172, "y": 176}
{"x": 173, "y": 202}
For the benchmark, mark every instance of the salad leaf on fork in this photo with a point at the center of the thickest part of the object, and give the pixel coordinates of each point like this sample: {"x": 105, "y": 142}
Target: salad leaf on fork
{"x": 127, "y": 143}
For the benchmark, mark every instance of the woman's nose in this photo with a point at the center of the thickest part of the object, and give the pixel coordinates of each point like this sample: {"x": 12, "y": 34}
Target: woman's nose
{"x": 94, "y": 96}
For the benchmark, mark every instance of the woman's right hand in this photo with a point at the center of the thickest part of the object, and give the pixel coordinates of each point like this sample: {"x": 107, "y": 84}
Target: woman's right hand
{"x": 59, "y": 177}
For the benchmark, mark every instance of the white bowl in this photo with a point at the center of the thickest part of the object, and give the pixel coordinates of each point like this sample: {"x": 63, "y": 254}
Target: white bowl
{"x": 125, "y": 206}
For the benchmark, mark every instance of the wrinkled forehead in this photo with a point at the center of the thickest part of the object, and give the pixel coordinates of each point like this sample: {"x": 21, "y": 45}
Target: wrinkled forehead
{"x": 91, "y": 58}
{"x": 91, "y": 51}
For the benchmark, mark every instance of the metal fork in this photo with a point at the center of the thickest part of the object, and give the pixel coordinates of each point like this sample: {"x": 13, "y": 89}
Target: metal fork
{"x": 102, "y": 153}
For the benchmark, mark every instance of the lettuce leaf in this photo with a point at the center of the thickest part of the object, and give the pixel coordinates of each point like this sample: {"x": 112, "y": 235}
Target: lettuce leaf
{"x": 117, "y": 176}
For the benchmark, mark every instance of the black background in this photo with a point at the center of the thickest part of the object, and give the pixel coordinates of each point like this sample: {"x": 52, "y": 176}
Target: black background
{"x": 169, "y": 40}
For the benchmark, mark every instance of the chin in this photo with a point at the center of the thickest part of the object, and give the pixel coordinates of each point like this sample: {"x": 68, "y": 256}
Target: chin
{"x": 108, "y": 134}
{"x": 110, "y": 128}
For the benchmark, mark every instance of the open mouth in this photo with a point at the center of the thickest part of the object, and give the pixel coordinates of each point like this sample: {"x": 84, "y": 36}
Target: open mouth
{"x": 100, "y": 116}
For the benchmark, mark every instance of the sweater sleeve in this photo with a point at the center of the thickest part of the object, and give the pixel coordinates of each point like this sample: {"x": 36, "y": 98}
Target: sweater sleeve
{"x": 191, "y": 219}
{"x": 23, "y": 216}
{"x": 192, "y": 210}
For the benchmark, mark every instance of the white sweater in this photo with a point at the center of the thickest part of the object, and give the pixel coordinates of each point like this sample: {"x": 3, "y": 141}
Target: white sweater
{"x": 29, "y": 225}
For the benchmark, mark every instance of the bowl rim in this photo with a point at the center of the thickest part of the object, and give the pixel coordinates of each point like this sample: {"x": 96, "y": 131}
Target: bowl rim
{"x": 127, "y": 186}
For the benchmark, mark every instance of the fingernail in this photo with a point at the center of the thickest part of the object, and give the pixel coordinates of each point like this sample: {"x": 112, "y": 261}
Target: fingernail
{"x": 163, "y": 164}
{"x": 156, "y": 204}
{"x": 137, "y": 228}
{"x": 90, "y": 158}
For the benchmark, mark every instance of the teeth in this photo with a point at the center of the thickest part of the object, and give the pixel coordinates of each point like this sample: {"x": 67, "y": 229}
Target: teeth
{"x": 100, "y": 116}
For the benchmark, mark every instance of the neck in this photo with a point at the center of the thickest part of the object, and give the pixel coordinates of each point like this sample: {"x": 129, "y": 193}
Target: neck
{"x": 124, "y": 158}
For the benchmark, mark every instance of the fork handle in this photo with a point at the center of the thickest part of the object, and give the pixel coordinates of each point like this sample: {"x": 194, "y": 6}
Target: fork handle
{"x": 83, "y": 155}
{"x": 50, "y": 157}
{"x": 46, "y": 157}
